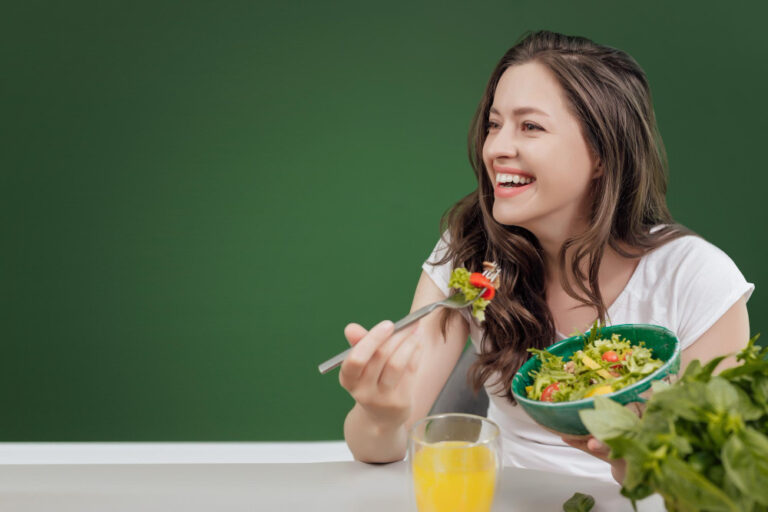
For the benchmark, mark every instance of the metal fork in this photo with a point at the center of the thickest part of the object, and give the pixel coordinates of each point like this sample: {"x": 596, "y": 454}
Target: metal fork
{"x": 455, "y": 301}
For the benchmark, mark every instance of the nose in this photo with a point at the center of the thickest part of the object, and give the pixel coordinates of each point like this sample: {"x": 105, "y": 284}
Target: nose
{"x": 501, "y": 144}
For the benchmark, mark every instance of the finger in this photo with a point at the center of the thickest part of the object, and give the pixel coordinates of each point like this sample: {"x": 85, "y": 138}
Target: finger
{"x": 353, "y": 367}
{"x": 576, "y": 442}
{"x": 637, "y": 407}
{"x": 397, "y": 364}
{"x": 598, "y": 448}
{"x": 372, "y": 371}
{"x": 406, "y": 380}
{"x": 354, "y": 333}
{"x": 413, "y": 364}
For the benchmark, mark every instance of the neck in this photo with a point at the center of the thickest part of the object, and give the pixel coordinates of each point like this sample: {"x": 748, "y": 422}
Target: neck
{"x": 610, "y": 266}
{"x": 551, "y": 251}
{"x": 551, "y": 242}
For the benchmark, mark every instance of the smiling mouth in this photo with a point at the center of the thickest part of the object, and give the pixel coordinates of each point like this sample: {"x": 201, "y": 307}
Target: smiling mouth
{"x": 513, "y": 180}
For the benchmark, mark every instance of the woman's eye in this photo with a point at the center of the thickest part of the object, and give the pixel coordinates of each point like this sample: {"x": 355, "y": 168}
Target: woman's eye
{"x": 530, "y": 126}
{"x": 492, "y": 125}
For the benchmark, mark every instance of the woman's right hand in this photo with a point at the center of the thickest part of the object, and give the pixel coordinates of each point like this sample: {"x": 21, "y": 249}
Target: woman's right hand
{"x": 379, "y": 372}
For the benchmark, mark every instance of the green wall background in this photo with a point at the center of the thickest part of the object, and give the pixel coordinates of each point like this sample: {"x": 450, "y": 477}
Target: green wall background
{"x": 197, "y": 196}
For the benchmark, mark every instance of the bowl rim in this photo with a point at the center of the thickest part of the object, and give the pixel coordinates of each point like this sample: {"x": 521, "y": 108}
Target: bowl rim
{"x": 584, "y": 401}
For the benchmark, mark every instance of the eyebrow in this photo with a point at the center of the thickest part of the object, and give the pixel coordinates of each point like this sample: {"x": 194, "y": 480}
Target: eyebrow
{"x": 522, "y": 110}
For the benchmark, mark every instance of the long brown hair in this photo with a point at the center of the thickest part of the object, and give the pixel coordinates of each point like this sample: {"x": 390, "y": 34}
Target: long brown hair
{"x": 608, "y": 93}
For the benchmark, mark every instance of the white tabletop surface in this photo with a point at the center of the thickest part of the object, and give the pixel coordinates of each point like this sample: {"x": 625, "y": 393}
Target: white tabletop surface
{"x": 174, "y": 453}
{"x": 63, "y": 485}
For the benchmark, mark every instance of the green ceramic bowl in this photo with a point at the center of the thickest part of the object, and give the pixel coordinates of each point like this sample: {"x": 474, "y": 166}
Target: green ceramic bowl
{"x": 563, "y": 417}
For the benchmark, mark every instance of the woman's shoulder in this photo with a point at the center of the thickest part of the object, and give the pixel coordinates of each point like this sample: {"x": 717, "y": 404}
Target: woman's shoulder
{"x": 690, "y": 262}
{"x": 686, "y": 284}
{"x": 685, "y": 250}
{"x": 440, "y": 249}
{"x": 437, "y": 266}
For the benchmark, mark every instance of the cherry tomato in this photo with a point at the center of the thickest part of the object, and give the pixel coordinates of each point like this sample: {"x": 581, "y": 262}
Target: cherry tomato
{"x": 546, "y": 395}
{"x": 478, "y": 280}
{"x": 610, "y": 356}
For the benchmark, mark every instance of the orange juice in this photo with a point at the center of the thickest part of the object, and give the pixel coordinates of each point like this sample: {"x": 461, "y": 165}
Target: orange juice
{"x": 454, "y": 476}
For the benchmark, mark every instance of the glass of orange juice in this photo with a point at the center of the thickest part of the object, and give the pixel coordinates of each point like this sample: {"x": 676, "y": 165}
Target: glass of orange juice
{"x": 455, "y": 461}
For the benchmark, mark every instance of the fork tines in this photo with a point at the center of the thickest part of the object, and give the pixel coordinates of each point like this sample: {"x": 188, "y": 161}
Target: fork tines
{"x": 491, "y": 271}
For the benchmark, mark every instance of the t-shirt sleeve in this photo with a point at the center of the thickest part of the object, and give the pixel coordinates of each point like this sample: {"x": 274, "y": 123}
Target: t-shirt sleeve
{"x": 439, "y": 273}
{"x": 708, "y": 283}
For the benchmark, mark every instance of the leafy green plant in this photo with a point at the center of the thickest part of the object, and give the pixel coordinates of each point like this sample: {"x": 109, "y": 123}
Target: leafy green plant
{"x": 579, "y": 502}
{"x": 702, "y": 442}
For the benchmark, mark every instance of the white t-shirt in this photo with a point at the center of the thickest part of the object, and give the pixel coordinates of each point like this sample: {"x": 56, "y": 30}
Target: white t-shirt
{"x": 686, "y": 285}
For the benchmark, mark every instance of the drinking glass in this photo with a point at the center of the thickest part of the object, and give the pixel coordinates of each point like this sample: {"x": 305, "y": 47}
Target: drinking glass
{"x": 454, "y": 461}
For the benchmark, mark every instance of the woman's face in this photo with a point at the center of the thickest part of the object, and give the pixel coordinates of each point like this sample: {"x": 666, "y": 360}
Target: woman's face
{"x": 536, "y": 156}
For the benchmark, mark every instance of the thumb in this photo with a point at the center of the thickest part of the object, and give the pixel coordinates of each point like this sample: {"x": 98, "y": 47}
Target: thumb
{"x": 598, "y": 447}
{"x": 354, "y": 333}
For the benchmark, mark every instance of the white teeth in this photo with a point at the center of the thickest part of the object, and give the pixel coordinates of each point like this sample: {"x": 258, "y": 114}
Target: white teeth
{"x": 513, "y": 178}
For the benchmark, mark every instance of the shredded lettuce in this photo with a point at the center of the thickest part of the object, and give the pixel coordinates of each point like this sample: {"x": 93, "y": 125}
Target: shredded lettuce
{"x": 588, "y": 373}
{"x": 460, "y": 281}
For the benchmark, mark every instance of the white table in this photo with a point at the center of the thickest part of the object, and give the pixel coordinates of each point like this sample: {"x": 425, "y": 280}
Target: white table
{"x": 63, "y": 485}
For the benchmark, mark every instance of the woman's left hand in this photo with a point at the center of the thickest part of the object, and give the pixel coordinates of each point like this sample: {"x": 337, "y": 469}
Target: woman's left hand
{"x": 597, "y": 449}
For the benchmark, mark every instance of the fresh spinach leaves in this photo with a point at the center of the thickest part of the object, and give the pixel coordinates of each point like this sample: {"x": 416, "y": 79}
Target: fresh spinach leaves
{"x": 702, "y": 442}
{"x": 579, "y": 502}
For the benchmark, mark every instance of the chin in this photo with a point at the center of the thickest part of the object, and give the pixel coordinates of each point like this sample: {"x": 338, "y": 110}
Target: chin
{"x": 508, "y": 218}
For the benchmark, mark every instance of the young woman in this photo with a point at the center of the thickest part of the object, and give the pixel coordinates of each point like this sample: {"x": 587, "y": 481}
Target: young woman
{"x": 570, "y": 202}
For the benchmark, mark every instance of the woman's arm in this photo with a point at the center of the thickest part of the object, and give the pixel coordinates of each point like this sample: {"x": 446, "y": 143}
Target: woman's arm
{"x": 395, "y": 379}
{"x": 726, "y": 336}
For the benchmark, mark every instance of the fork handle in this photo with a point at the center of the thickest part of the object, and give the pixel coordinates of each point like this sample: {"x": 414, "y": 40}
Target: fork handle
{"x": 409, "y": 319}
{"x": 333, "y": 362}
{"x": 403, "y": 322}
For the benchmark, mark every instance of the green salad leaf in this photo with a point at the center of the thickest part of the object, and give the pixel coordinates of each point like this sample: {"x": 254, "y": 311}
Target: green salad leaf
{"x": 702, "y": 442}
{"x": 460, "y": 281}
{"x": 613, "y": 420}
{"x": 579, "y": 502}
{"x": 745, "y": 460}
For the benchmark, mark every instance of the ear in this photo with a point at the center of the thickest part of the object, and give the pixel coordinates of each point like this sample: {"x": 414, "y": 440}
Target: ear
{"x": 599, "y": 170}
